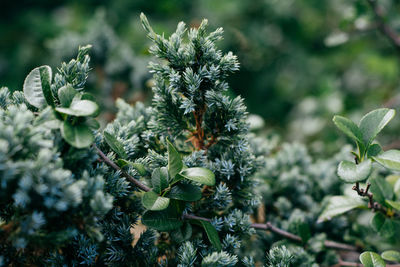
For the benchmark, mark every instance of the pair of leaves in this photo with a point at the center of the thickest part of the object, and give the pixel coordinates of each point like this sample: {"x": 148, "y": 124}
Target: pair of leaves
{"x": 364, "y": 134}
{"x": 38, "y": 93}
{"x": 369, "y": 127}
{"x": 372, "y": 259}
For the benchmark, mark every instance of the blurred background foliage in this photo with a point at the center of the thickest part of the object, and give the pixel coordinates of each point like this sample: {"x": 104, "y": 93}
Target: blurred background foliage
{"x": 301, "y": 61}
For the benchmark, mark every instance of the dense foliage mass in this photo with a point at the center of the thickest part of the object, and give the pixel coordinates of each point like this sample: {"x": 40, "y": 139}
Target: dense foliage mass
{"x": 183, "y": 181}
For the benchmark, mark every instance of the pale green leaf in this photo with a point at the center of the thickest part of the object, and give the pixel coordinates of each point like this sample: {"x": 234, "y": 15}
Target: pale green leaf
{"x": 389, "y": 159}
{"x": 391, "y": 255}
{"x": 80, "y": 108}
{"x": 351, "y": 172}
{"x": 37, "y": 87}
{"x": 371, "y": 259}
{"x": 338, "y": 205}
{"x": 152, "y": 201}
{"x": 66, "y": 94}
{"x": 200, "y": 175}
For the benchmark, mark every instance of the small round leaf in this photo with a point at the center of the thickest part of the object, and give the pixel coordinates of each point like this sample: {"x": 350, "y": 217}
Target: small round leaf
{"x": 351, "y": 172}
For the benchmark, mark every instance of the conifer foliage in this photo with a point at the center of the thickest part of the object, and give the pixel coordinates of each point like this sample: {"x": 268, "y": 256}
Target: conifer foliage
{"x": 72, "y": 194}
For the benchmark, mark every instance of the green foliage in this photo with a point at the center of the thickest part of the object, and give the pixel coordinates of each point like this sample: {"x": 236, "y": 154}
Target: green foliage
{"x": 371, "y": 259}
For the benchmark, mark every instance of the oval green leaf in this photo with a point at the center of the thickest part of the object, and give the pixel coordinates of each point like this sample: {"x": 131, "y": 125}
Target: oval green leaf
{"x": 351, "y": 172}
{"x": 152, "y": 201}
{"x": 389, "y": 159}
{"x": 373, "y": 122}
{"x": 37, "y": 87}
{"x": 338, "y": 205}
{"x": 78, "y": 136}
{"x": 80, "y": 108}
{"x": 159, "y": 179}
{"x": 212, "y": 234}
{"x": 200, "y": 175}
{"x": 391, "y": 255}
{"x": 174, "y": 160}
{"x": 348, "y": 127}
{"x": 186, "y": 192}
{"x": 371, "y": 259}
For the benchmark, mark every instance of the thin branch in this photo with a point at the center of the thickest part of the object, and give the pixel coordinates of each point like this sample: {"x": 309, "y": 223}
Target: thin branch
{"x": 123, "y": 173}
{"x": 375, "y": 206}
{"x": 259, "y": 226}
{"x": 385, "y": 29}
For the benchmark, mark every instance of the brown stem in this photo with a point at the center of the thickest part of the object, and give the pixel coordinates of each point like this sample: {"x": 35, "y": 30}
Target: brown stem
{"x": 266, "y": 226}
{"x": 384, "y": 28}
{"x": 123, "y": 173}
{"x": 375, "y": 206}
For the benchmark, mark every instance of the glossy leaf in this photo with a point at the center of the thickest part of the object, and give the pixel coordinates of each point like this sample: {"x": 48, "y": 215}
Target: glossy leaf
{"x": 165, "y": 220}
{"x": 114, "y": 144}
{"x": 78, "y": 136}
{"x": 200, "y": 175}
{"x": 391, "y": 255}
{"x": 186, "y": 192}
{"x": 174, "y": 160}
{"x": 80, "y": 108}
{"x": 66, "y": 94}
{"x": 37, "y": 87}
{"x": 159, "y": 179}
{"x": 338, "y": 205}
{"x": 212, "y": 234}
{"x": 351, "y": 172}
{"x": 373, "y": 122}
{"x": 381, "y": 189}
{"x": 371, "y": 259}
{"x": 152, "y": 201}
{"x": 389, "y": 159}
{"x": 348, "y": 127}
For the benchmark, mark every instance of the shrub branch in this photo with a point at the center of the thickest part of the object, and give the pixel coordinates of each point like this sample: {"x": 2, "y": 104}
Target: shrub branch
{"x": 259, "y": 226}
